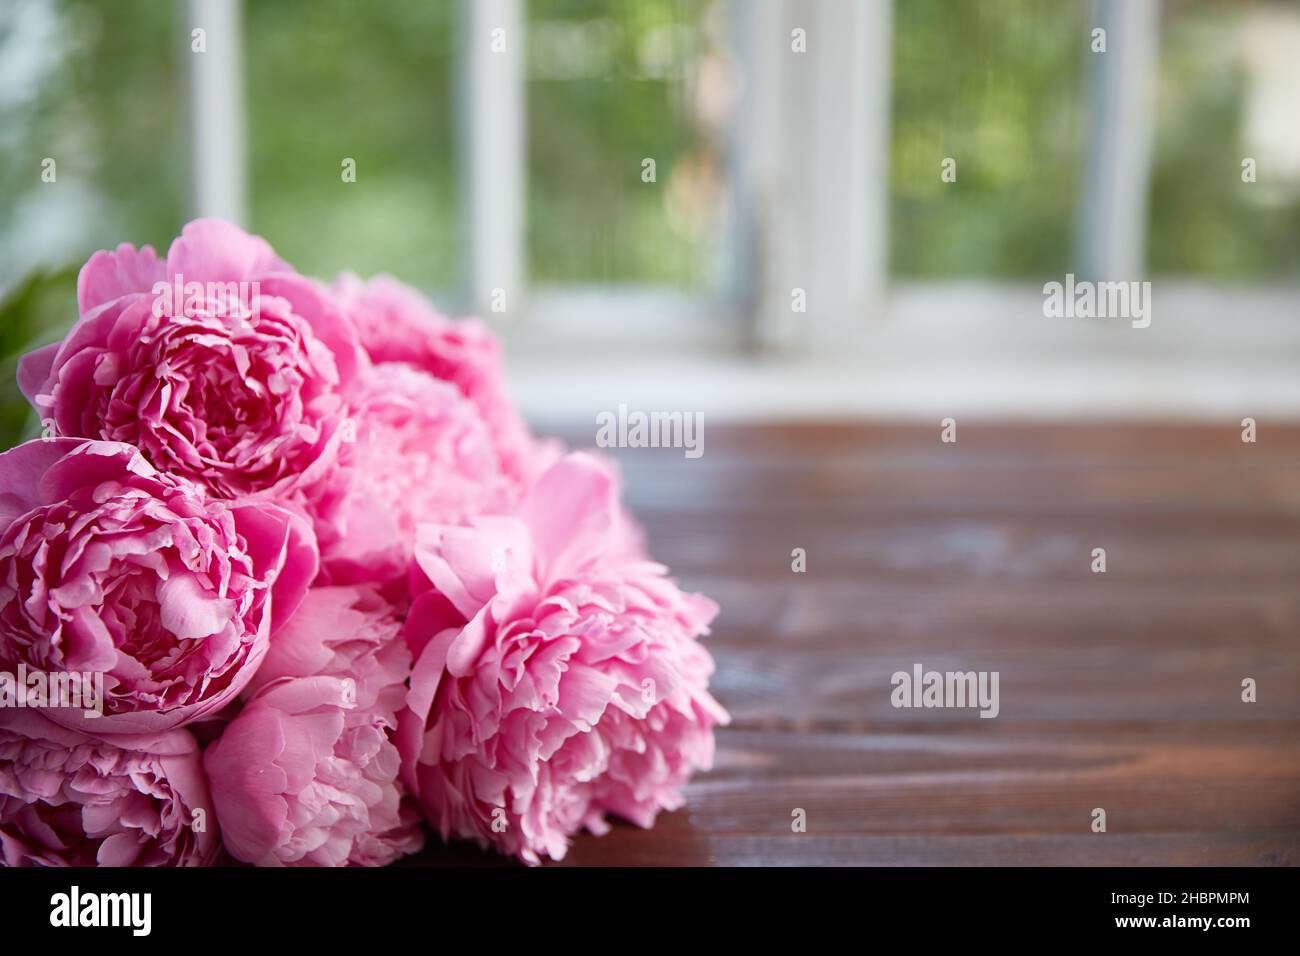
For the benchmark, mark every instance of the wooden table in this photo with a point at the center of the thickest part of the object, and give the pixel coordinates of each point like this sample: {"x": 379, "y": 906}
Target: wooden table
{"x": 1119, "y": 690}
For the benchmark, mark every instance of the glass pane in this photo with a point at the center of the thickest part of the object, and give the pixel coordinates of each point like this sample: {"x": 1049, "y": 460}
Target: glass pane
{"x": 330, "y": 80}
{"x": 93, "y": 140}
{"x": 91, "y": 87}
{"x": 1000, "y": 88}
{"x": 1229, "y": 91}
{"x": 613, "y": 84}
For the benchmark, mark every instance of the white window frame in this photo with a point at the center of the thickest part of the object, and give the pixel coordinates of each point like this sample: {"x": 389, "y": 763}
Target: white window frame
{"x": 1112, "y": 215}
{"x": 218, "y": 132}
{"x": 810, "y": 189}
{"x": 493, "y": 159}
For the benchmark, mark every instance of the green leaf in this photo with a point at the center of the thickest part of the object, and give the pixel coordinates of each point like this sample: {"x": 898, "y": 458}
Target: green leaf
{"x": 38, "y": 310}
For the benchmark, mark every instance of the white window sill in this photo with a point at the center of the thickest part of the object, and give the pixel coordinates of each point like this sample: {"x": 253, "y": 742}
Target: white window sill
{"x": 975, "y": 350}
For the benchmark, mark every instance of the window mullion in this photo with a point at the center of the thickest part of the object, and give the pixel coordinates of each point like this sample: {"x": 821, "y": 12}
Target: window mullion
{"x": 493, "y": 167}
{"x": 812, "y": 180}
{"x": 212, "y": 49}
{"x": 1113, "y": 212}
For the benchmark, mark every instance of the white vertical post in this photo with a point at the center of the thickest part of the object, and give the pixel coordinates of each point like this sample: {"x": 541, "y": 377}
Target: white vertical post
{"x": 812, "y": 175}
{"x": 218, "y": 164}
{"x": 493, "y": 162}
{"x": 754, "y": 160}
{"x": 1113, "y": 214}
{"x": 851, "y": 103}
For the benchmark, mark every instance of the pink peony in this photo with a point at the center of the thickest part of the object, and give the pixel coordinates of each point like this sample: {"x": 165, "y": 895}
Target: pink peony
{"x": 307, "y": 774}
{"x": 110, "y": 567}
{"x": 556, "y": 679}
{"x": 221, "y": 364}
{"x": 422, "y": 453}
{"x": 71, "y": 800}
{"x": 394, "y": 323}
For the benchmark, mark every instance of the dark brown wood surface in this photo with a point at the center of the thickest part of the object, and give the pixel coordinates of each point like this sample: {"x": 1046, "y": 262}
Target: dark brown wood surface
{"x": 1119, "y": 690}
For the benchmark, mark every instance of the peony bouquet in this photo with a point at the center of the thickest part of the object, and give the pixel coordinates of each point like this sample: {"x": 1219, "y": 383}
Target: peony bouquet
{"x": 286, "y": 576}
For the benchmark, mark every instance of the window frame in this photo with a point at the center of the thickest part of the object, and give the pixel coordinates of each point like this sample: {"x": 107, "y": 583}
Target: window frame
{"x": 809, "y": 192}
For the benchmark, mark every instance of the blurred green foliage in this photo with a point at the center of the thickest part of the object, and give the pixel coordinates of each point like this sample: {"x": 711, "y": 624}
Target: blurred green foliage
{"x": 1204, "y": 219}
{"x": 611, "y": 84}
{"x": 334, "y": 79}
{"x": 36, "y": 311}
{"x": 95, "y": 87}
{"x": 1000, "y": 88}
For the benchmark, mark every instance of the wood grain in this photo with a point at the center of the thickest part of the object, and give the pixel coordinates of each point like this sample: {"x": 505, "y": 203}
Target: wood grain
{"x": 1118, "y": 690}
